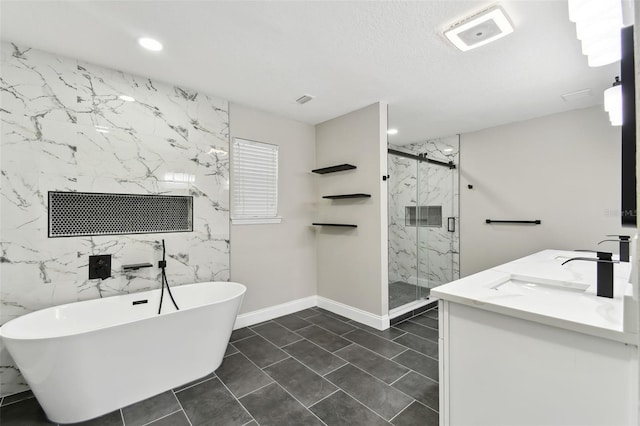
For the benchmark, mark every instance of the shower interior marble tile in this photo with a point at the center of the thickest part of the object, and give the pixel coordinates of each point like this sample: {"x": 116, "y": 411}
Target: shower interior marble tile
{"x": 309, "y": 385}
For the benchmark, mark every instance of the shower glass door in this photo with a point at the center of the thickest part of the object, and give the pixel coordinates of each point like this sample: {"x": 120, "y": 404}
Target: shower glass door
{"x": 423, "y": 220}
{"x": 437, "y": 234}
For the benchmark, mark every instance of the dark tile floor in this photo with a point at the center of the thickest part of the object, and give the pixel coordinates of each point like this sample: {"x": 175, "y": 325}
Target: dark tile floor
{"x": 308, "y": 368}
{"x": 401, "y": 293}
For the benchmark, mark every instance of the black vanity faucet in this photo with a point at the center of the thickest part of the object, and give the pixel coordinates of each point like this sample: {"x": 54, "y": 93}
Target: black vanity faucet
{"x": 624, "y": 246}
{"x": 604, "y": 279}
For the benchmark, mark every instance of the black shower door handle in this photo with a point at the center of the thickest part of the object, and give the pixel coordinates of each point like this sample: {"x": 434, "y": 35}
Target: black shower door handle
{"x": 451, "y": 224}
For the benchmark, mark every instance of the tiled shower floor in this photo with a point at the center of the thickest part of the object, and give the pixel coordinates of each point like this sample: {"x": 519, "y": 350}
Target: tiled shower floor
{"x": 401, "y": 293}
{"x": 308, "y": 368}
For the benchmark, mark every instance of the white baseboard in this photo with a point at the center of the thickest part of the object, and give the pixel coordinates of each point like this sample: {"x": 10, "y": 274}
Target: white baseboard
{"x": 376, "y": 321}
{"x": 266, "y": 314}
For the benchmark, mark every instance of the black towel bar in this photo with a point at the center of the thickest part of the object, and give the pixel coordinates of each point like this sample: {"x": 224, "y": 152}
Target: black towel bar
{"x": 534, "y": 222}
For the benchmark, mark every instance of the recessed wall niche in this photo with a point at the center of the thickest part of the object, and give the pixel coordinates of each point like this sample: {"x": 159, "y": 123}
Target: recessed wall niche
{"x": 74, "y": 214}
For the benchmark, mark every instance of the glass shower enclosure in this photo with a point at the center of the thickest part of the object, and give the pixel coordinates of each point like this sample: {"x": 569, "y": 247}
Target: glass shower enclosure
{"x": 423, "y": 221}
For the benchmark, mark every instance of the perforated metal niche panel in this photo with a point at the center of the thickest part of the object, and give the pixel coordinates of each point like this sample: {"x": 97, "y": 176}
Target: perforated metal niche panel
{"x": 74, "y": 214}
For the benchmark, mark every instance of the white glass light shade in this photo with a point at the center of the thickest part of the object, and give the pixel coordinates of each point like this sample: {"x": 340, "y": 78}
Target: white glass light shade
{"x": 613, "y": 104}
{"x": 598, "y": 24}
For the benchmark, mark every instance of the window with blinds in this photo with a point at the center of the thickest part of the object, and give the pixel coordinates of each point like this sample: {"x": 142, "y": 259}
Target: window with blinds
{"x": 255, "y": 182}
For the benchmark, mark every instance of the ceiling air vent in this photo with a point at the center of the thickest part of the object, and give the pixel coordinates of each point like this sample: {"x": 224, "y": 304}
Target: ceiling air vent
{"x": 479, "y": 29}
{"x": 304, "y": 99}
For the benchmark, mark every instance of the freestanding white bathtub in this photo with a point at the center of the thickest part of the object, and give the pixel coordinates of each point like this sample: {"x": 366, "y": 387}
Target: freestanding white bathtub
{"x": 86, "y": 359}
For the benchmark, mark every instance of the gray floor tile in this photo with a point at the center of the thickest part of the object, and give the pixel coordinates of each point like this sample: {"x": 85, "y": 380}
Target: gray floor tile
{"x": 341, "y": 410}
{"x": 176, "y": 419}
{"x": 230, "y": 350}
{"x": 306, "y": 313}
{"x": 292, "y": 322}
{"x": 193, "y": 382}
{"x": 150, "y": 409}
{"x": 314, "y": 357}
{"x": 260, "y": 351}
{"x": 418, "y": 330}
{"x": 114, "y": 418}
{"x": 377, "y": 344}
{"x": 380, "y": 397}
{"x": 416, "y": 414}
{"x": 425, "y": 320}
{"x": 271, "y": 405}
{"x": 372, "y": 363}
{"x": 421, "y": 388}
{"x": 211, "y": 400}
{"x": 276, "y": 334}
{"x": 241, "y": 376}
{"x": 305, "y": 385}
{"x": 20, "y": 396}
{"x": 323, "y": 338}
{"x": 389, "y": 333}
{"x": 332, "y": 314}
{"x": 330, "y": 323}
{"x": 24, "y": 413}
{"x": 241, "y": 333}
{"x": 420, "y": 363}
{"x": 419, "y": 344}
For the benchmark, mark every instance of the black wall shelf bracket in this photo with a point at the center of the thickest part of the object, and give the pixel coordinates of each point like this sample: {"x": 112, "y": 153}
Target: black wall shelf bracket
{"x": 344, "y": 225}
{"x": 339, "y": 197}
{"x": 333, "y": 169}
{"x": 532, "y": 222}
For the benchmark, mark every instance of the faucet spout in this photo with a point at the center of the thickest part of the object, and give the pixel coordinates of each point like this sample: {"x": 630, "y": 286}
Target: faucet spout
{"x": 604, "y": 278}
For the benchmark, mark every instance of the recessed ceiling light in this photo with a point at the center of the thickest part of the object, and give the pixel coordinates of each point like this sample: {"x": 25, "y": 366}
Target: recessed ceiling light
{"x": 102, "y": 129}
{"x": 448, "y": 150}
{"x": 392, "y": 131}
{"x": 150, "y": 44}
{"x": 126, "y": 98}
{"x": 479, "y": 29}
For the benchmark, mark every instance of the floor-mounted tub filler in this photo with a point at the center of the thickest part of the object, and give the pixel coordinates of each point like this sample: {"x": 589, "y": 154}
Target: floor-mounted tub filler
{"x": 86, "y": 359}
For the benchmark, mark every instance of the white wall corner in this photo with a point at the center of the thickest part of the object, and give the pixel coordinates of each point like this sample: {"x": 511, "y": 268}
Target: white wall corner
{"x": 266, "y": 314}
{"x": 376, "y": 321}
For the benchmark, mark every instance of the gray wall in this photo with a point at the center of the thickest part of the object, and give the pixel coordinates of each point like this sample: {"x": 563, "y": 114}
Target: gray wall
{"x": 563, "y": 169}
{"x": 352, "y": 263}
{"x": 277, "y": 262}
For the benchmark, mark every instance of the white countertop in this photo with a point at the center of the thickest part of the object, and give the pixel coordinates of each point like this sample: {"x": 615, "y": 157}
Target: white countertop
{"x": 583, "y": 312}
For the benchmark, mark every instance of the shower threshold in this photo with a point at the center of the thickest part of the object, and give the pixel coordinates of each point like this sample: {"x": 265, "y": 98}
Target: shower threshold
{"x": 417, "y": 305}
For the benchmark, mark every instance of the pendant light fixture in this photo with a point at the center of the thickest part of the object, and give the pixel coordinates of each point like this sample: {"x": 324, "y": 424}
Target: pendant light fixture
{"x": 613, "y": 102}
{"x": 598, "y": 24}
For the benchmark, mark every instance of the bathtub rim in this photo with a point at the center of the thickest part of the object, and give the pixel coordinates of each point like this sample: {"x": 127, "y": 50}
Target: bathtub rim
{"x": 12, "y": 337}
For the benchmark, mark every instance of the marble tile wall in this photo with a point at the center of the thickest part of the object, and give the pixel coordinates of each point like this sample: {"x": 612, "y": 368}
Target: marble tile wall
{"x": 427, "y": 256}
{"x": 65, "y": 128}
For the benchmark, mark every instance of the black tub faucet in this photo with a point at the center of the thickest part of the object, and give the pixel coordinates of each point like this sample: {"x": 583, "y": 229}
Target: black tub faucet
{"x": 604, "y": 279}
{"x": 624, "y": 246}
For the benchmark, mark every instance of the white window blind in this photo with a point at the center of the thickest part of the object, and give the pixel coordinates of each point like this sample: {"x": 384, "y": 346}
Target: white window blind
{"x": 255, "y": 182}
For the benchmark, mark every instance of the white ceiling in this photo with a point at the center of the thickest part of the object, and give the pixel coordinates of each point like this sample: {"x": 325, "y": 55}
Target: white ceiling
{"x": 348, "y": 54}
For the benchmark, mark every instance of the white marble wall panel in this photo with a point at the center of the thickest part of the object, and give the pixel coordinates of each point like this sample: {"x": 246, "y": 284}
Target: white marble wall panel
{"x": 171, "y": 140}
{"x": 427, "y": 256}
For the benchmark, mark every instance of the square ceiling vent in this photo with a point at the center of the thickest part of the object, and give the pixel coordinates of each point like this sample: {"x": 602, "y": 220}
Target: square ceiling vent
{"x": 479, "y": 29}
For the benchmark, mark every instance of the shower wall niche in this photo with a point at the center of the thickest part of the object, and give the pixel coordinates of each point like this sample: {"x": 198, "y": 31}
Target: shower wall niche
{"x": 423, "y": 219}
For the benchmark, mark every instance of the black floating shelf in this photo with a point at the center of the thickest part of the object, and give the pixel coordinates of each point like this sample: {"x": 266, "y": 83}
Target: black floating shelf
{"x": 333, "y": 169}
{"x": 335, "y": 224}
{"x": 338, "y": 197}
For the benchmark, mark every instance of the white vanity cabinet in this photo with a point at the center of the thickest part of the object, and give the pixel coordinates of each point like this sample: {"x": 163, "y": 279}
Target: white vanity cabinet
{"x": 505, "y": 363}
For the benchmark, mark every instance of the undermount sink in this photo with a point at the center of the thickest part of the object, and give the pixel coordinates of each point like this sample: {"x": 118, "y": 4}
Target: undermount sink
{"x": 537, "y": 287}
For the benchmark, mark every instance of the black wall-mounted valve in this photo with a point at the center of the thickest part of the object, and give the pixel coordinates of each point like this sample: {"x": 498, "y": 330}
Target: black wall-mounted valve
{"x": 385, "y": 177}
{"x": 100, "y": 266}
